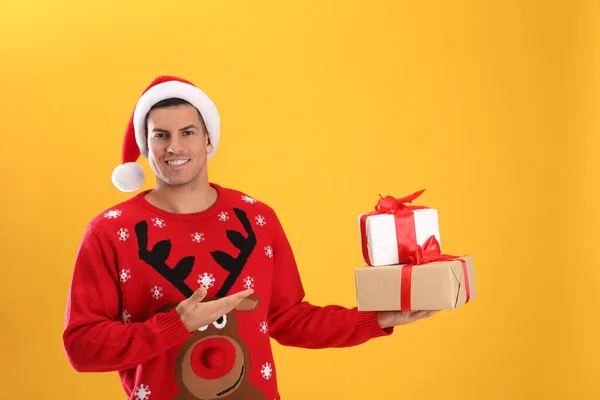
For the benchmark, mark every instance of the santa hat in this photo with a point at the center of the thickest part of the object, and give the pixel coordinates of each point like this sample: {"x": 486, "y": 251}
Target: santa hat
{"x": 129, "y": 176}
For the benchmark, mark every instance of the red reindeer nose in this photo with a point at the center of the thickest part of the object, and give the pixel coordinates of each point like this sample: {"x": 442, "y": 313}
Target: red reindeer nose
{"x": 213, "y": 358}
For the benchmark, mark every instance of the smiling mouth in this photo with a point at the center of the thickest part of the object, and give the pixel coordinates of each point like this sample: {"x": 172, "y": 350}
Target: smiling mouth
{"x": 234, "y": 385}
{"x": 176, "y": 162}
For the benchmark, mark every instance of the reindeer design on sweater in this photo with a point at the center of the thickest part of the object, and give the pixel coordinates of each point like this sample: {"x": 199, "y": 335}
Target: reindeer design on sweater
{"x": 214, "y": 362}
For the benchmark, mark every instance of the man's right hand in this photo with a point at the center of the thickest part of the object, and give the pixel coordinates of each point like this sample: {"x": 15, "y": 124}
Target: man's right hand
{"x": 194, "y": 313}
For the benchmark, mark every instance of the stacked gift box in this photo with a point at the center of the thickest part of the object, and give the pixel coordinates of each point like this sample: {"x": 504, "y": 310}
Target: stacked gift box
{"x": 405, "y": 266}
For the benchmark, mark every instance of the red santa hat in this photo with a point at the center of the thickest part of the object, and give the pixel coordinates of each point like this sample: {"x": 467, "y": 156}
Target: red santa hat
{"x": 129, "y": 175}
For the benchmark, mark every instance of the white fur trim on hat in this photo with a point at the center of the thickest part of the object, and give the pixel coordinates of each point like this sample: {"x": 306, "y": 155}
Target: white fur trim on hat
{"x": 128, "y": 177}
{"x": 181, "y": 90}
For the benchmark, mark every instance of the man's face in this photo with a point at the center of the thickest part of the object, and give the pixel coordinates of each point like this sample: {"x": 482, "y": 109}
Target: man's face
{"x": 177, "y": 145}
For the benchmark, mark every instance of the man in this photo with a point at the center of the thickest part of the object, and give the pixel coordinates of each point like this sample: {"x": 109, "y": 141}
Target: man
{"x": 180, "y": 287}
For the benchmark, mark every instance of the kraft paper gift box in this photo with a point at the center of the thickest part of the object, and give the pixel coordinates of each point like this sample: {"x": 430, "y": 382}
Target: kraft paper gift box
{"x": 390, "y": 234}
{"x": 436, "y": 285}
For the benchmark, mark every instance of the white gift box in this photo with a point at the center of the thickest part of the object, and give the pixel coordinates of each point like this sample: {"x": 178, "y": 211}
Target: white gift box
{"x": 380, "y": 234}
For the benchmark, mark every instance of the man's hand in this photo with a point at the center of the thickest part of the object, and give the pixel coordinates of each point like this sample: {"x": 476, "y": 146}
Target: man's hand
{"x": 388, "y": 319}
{"x": 195, "y": 314}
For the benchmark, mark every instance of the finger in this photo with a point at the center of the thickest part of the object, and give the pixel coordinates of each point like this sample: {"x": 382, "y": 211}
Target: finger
{"x": 421, "y": 314}
{"x": 197, "y": 296}
{"x": 226, "y": 304}
{"x": 238, "y": 297}
{"x": 235, "y": 298}
{"x": 415, "y": 313}
{"x": 242, "y": 294}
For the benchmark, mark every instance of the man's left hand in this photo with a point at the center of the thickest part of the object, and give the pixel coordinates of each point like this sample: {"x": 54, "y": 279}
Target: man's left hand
{"x": 388, "y": 319}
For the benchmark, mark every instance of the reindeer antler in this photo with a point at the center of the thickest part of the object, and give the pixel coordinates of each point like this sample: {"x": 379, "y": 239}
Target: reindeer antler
{"x": 235, "y": 265}
{"x": 158, "y": 256}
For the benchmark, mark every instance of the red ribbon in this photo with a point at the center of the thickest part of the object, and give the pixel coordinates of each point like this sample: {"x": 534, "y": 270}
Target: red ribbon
{"x": 404, "y": 220}
{"x": 430, "y": 252}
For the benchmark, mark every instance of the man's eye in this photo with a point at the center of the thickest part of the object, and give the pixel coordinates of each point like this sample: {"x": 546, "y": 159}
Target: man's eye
{"x": 188, "y": 132}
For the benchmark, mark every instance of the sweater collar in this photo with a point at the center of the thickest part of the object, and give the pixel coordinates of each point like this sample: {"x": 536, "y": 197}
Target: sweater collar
{"x": 215, "y": 208}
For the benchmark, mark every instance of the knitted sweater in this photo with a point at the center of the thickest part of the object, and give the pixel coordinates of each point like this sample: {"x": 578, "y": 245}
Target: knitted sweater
{"x": 136, "y": 262}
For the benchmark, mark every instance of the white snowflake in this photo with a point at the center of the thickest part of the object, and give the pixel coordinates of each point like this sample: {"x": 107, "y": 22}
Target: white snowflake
{"x": 248, "y": 199}
{"x": 260, "y": 220}
{"x": 142, "y": 392}
{"x": 197, "y": 237}
{"x": 159, "y": 222}
{"x": 269, "y": 251}
{"x": 264, "y": 328}
{"x": 266, "y": 371}
{"x": 125, "y": 275}
{"x": 223, "y": 216}
{"x": 126, "y": 317}
{"x": 123, "y": 234}
{"x": 248, "y": 282}
{"x": 157, "y": 292}
{"x": 206, "y": 280}
{"x": 112, "y": 214}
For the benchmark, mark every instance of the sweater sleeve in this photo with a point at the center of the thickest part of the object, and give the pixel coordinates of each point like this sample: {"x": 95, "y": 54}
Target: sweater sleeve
{"x": 94, "y": 338}
{"x": 295, "y": 322}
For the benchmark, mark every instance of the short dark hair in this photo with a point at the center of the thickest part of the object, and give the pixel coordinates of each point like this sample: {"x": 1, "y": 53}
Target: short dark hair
{"x": 175, "y": 102}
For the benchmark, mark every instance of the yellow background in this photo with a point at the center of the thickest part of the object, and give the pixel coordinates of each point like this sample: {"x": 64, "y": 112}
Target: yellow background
{"x": 489, "y": 106}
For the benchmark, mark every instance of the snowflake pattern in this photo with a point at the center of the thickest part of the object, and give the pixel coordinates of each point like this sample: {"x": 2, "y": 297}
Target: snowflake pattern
{"x": 248, "y": 199}
{"x": 269, "y": 251}
{"x": 260, "y": 220}
{"x": 125, "y": 275}
{"x": 249, "y": 282}
{"x": 157, "y": 292}
{"x": 159, "y": 222}
{"x": 142, "y": 392}
{"x": 197, "y": 237}
{"x": 123, "y": 234}
{"x": 266, "y": 370}
{"x": 206, "y": 280}
{"x": 223, "y": 216}
{"x": 113, "y": 214}
{"x": 264, "y": 328}
{"x": 125, "y": 316}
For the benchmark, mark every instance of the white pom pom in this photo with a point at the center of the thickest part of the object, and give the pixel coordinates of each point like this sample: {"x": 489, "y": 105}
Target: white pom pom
{"x": 128, "y": 177}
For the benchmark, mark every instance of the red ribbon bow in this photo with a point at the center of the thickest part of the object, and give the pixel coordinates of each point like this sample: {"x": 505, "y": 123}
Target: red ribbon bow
{"x": 429, "y": 252}
{"x": 388, "y": 203}
{"x": 404, "y": 220}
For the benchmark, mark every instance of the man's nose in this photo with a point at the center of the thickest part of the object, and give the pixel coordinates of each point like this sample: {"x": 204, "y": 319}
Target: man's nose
{"x": 175, "y": 146}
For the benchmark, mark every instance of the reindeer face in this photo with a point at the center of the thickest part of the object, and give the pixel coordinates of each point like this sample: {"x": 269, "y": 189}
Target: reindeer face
{"x": 214, "y": 361}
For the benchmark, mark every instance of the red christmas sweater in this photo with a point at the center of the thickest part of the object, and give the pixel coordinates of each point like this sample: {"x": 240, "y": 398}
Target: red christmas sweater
{"x": 136, "y": 262}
